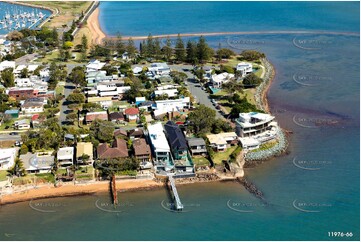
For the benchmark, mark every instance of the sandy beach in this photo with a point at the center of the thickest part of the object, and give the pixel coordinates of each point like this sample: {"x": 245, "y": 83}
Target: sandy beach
{"x": 97, "y": 34}
{"x": 69, "y": 189}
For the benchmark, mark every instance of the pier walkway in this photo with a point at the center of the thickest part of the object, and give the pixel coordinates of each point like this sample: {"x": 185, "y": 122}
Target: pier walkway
{"x": 178, "y": 203}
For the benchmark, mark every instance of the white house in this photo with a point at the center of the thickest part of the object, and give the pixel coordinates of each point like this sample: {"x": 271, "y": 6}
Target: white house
{"x": 7, "y": 64}
{"x": 160, "y": 147}
{"x": 253, "y": 123}
{"x": 164, "y": 106}
{"x": 217, "y": 142}
{"x": 137, "y": 70}
{"x": 244, "y": 68}
{"x": 94, "y": 65}
{"x": 159, "y": 69}
{"x": 169, "y": 92}
{"x": 65, "y": 156}
{"x": 33, "y": 105}
{"x": 7, "y": 158}
{"x": 22, "y": 124}
{"x": 218, "y": 80}
{"x": 40, "y": 162}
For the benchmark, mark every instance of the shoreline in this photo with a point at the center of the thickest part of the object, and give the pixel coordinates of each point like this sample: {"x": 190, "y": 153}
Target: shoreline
{"x": 97, "y": 35}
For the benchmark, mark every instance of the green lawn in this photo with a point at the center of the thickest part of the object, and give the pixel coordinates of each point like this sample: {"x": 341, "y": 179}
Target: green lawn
{"x": 201, "y": 161}
{"x": 3, "y": 176}
{"x": 220, "y": 156}
{"x": 265, "y": 146}
{"x": 59, "y": 89}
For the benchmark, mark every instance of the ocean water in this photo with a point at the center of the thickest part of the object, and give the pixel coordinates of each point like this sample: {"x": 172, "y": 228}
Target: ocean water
{"x": 16, "y": 9}
{"x": 309, "y": 192}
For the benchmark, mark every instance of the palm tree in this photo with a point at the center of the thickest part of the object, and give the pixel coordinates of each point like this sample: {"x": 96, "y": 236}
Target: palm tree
{"x": 17, "y": 169}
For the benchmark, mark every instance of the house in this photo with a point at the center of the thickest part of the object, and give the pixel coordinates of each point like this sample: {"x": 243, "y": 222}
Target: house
{"x": 197, "y": 146}
{"x": 84, "y": 148}
{"x": 159, "y": 69}
{"x": 146, "y": 106}
{"x": 220, "y": 141}
{"x": 218, "y": 80}
{"x": 168, "y": 92}
{"x": 21, "y": 93}
{"x": 135, "y": 133}
{"x": 13, "y": 113}
{"x": 22, "y": 124}
{"x": 131, "y": 114}
{"x": 7, "y": 64}
{"x": 37, "y": 120}
{"x": 179, "y": 148}
{"x": 244, "y": 68}
{"x": 137, "y": 70}
{"x": 94, "y": 65}
{"x": 142, "y": 153}
{"x": 253, "y": 123}
{"x": 160, "y": 148}
{"x": 116, "y": 117}
{"x": 7, "y": 158}
{"x": 139, "y": 100}
{"x": 33, "y": 105}
{"x": 105, "y": 102}
{"x": 94, "y": 77}
{"x": 164, "y": 106}
{"x": 120, "y": 133}
{"x": 118, "y": 150}
{"x": 91, "y": 116}
{"x": 40, "y": 162}
{"x": 65, "y": 156}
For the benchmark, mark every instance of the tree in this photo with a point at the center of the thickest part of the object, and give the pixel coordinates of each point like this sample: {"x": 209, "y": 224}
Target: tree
{"x": 157, "y": 49}
{"x": 251, "y": 80}
{"x": 15, "y": 36}
{"x": 68, "y": 45}
{"x": 180, "y": 52}
{"x": 201, "y": 119}
{"x": 192, "y": 57}
{"x": 102, "y": 130}
{"x": 135, "y": 89}
{"x": 119, "y": 45}
{"x": 17, "y": 169}
{"x": 131, "y": 49}
{"x": 167, "y": 50}
{"x": 91, "y": 106}
{"x": 199, "y": 73}
{"x": 71, "y": 117}
{"x": 251, "y": 55}
{"x": 243, "y": 106}
{"x": 204, "y": 52}
{"x": 232, "y": 86}
{"x": 7, "y": 77}
{"x": 224, "y": 53}
{"x": 76, "y": 98}
{"x": 84, "y": 44}
{"x": 150, "y": 47}
{"x": 77, "y": 76}
{"x": 178, "y": 77}
{"x": 24, "y": 73}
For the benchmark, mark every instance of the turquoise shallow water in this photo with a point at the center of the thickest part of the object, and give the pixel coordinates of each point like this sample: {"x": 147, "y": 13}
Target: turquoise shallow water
{"x": 309, "y": 192}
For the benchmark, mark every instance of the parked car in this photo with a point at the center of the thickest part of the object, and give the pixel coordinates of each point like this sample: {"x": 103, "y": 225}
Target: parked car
{"x": 13, "y": 133}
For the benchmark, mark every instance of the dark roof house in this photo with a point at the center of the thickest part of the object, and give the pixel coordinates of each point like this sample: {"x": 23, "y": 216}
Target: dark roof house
{"x": 119, "y": 150}
{"x": 175, "y": 137}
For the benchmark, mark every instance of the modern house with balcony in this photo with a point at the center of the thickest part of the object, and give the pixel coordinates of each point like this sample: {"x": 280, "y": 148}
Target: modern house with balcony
{"x": 65, "y": 156}
{"x": 197, "y": 146}
{"x": 251, "y": 124}
{"x": 244, "y": 68}
{"x": 178, "y": 144}
{"x": 160, "y": 149}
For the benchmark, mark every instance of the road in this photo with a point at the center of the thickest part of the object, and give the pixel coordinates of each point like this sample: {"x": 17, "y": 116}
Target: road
{"x": 195, "y": 88}
{"x": 7, "y": 137}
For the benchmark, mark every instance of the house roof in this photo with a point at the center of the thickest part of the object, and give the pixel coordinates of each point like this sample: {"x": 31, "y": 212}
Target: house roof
{"x": 175, "y": 136}
{"x": 35, "y": 161}
{"x": 216, "y": 139}
{"x": 196, "y": 141}
{"x": 131, "y": 111}
{"x": 141, "y": 147}
{"x": 157, "y": 137}
{"x": 136, "y": 132}
{"x": 116, "y": 116}
{"x": 84, "y": 148}
{"x": 65, "y": 153}
{"x": 119, "y": 150}
{"x": 96, "y": 115}
{"x": 120, "y": 132}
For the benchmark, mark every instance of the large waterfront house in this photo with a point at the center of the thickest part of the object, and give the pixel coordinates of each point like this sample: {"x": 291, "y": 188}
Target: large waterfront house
{"x": 160, "y": 148}
{"x": 244, "y": 68}
{"x": 255, "y": 128}
{"x": 40, "y": 162}
{"x": 142, "y": 153}
{"x": 178, "y": 144}
{"x": 84, "y": 149}
{"x": 118, "y": 150}
{"x": 7, "y": 158}
{"x": 218, "y": 80}
{"x": 65, "y": 156}
{"x": 197, "y": 146}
